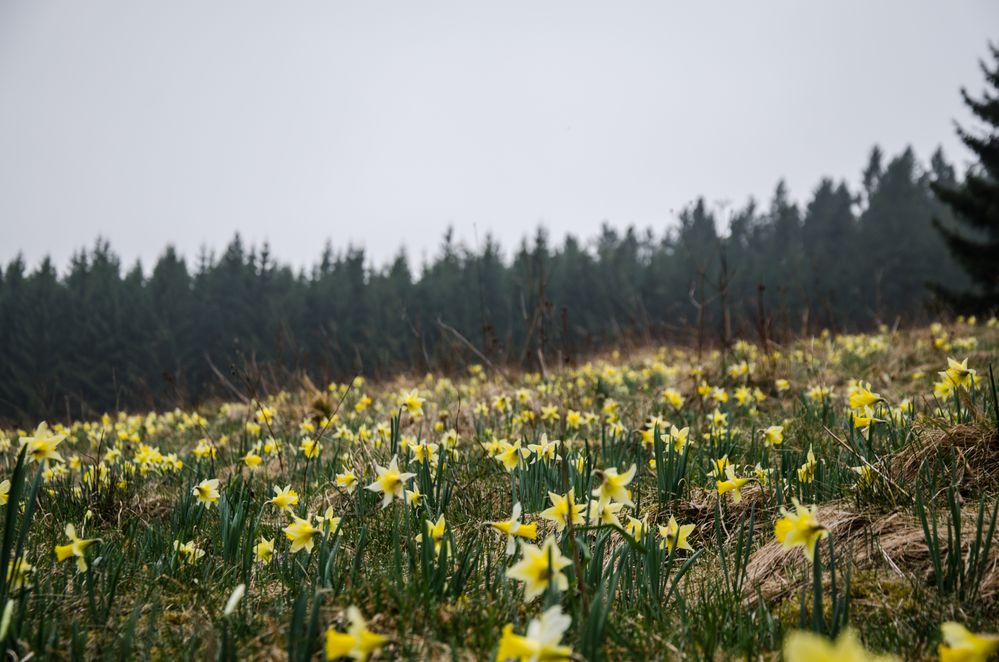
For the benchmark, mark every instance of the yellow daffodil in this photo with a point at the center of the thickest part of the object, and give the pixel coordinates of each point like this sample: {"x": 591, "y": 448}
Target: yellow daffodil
{"x": 301, "y": 534}
{"x": 413, "y": 496}
{"x": 310, "y": 448}
{"x": 538, "y": 567}
{"x": 513, "y": 529}
{"x": 207, "y": 492}
{"x": 188, "y": 551}
{"x": 205, "y": 449}
{"x": 819, "y": 393}
{"x": 252, "y": 460}
{"x": 806, "y": 472}
{"x": 412, "y": 403}
{"x": 77, "y": 547}
{"x": 614, "y": 486}
{"x": 263, "y": 551}
{"x": 679, "y": 437}
{"x": 800, "y": 529}
{"x": 605, "y": 513}
{"x": 550, "y": 414}
{"x": 861, "y": 396}
{"x": 284, "y": 498}
{"x": 390, "y": 482}
{"x": 962, "y": 645}
{"x": 425, "y": 452}
{"x": 563, "y": 510}
{"x": 673, "y": 398}
{"x": 719, "y": 467}
{"x": 545, "y": 450}
{"x": 357, "y": 643}
{"x": 509, "y": 455}
{"x": 436, "y": 532}
{"x": 865, "y": 476}
{"x": 732, "y": 484}
{"x": 943, "y": 389}
{"x": 17, "y": 574}
{"x": 802, "y": 646}
{"x": 959, "y": 374}
{"x": 328, "y": 522}
{"x": 773, "y": 436}
{"x": 42, "y": 444}
{"x": 674, "y": 536}
{"x": 4, "y": 492}
{"x": 637, "y": 528}
{"x": 742, "y": 396}
{"x": 346, "y": 481}
{"x": 542, "y": 641}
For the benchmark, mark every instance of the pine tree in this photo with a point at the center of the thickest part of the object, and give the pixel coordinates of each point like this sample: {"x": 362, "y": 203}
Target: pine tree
{"x": 976, "y": 205}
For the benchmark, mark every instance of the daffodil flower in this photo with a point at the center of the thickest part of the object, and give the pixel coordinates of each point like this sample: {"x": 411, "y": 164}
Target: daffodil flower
{"x": 17, "y": 574}
{"x": 674, "y": 536}
{"x": 545, "y": 449}
{"x": 42, "y": 444}
{"x": 513, "y": 529}
{"x": 252, "y": 460}
{"x": 614, "y": 486}
{"x": 509, "y": 455}
{"x": 679, "y": 437}
{"x": 358, "y": 642}
{"x": 637, "y": 528}
{"x": 962, "y": 645}
{"x": 77, "y": 547}
{"x": 862, "y": 397}
{"x": 188, "y": 551}
{"x": 773, "y": 436}
{"x": 390, "y": 481}
{"x": 284, "y": 498}
{"x": 806, "y": 472}
{"x": 539, "y": 567}
{"x": 436, "y": 532}
{"x": 346, "y": 481}
{"x": 800, "y": 529}
{"x": 959, "y": 374}
{"x": 605, "y": 513}
{"x": 310, "y": 448}
{"x": 328, "y": 522}
{"x": 207, "y": 492}
{"x": 412, "y": 404}
{"x": 732, "y": 484}
{"x": 563, "y": 510}
{"x": 718, "y": 467}
{"x": 542, "y": 641}
{"x": 263, "y": 551}
{"x": 301, "y": 533}
{"x": 802, "y": 646}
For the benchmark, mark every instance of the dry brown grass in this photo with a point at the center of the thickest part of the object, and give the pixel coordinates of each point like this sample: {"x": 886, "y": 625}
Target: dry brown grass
{"x": 976, "y": 448}
{"x": 893, "y": 543}
{"x": 700, "y": 509}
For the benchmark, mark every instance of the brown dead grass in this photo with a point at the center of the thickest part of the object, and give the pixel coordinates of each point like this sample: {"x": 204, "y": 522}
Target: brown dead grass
{"x": 975, "y": 447}
{"x": 892, "y": 542}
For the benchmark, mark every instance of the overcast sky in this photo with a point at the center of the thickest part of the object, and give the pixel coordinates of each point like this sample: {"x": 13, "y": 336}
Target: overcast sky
{"x": 381, "y": 123}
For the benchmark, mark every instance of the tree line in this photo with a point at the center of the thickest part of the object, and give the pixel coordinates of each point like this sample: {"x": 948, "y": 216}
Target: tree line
{"x": 97, "y": 336}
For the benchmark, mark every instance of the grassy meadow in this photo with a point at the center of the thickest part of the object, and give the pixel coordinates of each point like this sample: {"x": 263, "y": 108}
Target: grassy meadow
{"x": 831, "y": 499}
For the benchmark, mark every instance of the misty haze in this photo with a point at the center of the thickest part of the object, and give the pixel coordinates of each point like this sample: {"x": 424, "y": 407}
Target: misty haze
{"x": 506, "y": 331}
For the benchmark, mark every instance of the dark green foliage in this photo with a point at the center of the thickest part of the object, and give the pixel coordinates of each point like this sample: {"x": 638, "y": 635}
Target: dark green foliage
{"x": 100, "y": 337}
{"x": 974, "y": 239}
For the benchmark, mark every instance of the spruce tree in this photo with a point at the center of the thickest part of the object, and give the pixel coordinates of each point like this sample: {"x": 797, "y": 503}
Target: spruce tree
{"x": 975, "y": 243}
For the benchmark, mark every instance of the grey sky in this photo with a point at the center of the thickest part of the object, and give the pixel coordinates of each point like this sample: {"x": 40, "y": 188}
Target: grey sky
{"x": 381, "y": 123}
